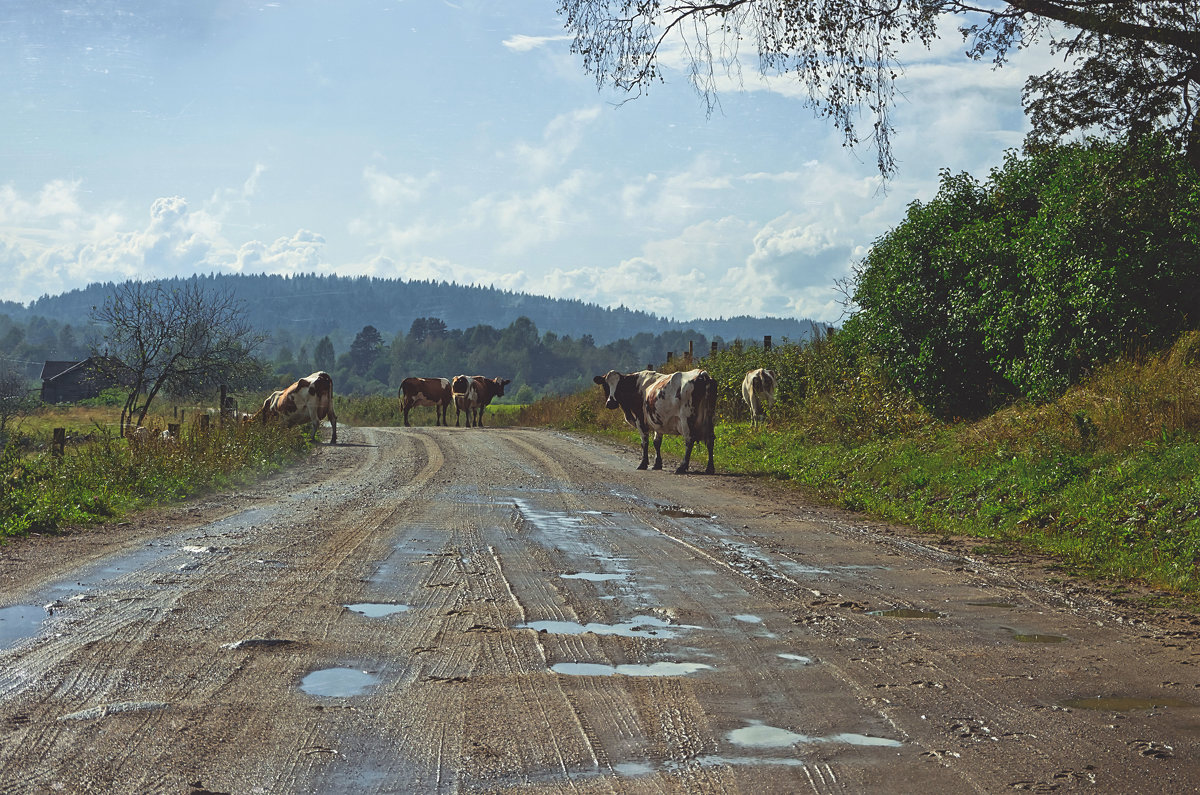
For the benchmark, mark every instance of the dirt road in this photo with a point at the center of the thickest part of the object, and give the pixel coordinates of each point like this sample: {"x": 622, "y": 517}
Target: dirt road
{"x": 438, "y": 610}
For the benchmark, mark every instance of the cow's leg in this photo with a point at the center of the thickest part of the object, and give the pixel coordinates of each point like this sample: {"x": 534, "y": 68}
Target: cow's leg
{"x": 645, "y": 451}
{"x": 406, "y": 410}
{"x": 479, "y": 418}
{"x": 710, "y": 441}
{"x": 657, "y": 450}
{"x": 333, "y": 424}
{"x": 688, "y": 441}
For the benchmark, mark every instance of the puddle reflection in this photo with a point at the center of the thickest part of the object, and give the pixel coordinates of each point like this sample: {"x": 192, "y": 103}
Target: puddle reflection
{"x": 20, "y": 621}
{"x": 650, "y": 669}
{"x": 338, "y": 682}
{"x": 639, "y": 627}
{"x": 377, "y": 609}
{"x": 760, "y": 735}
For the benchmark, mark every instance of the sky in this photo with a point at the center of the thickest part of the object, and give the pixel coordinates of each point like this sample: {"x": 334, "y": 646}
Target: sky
{"x": 453, "y": 141}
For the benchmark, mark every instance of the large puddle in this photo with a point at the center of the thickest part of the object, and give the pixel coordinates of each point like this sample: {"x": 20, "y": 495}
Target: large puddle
{"x": 648, "y": 669}
{"x": 19, "y": 622}
{"x": 638, "y": 627}
{"x": 377, "y": 609}
{"x": 593, "y": 577}
{"x": 338, "y": 682}
{"x": 759, "y": 735}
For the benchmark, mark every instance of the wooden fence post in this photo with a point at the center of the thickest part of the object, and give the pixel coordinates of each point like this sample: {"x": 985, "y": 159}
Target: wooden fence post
{"x": 60, "y": 442}
{"x": 203, "y": 423}
{"x": 767, "y": 342}
{"x": 714, "y": 348}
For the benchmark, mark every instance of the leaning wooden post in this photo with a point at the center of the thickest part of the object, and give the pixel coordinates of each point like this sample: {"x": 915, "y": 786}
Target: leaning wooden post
{"x": 221, "y": 411}
{"x": 690, "y": 351}
{"x": 767, "y": 342}
{"x": 714, "y": 348}
{"x": 60, "y": 442}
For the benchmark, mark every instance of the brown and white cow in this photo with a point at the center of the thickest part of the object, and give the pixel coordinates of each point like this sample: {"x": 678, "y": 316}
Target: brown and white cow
{"x": 758, "y": 387}
{"x": 309, "y": 400}
{"x": 474, "y": 397}
{"x": 426, "y": 392}
{"x": 682, "y": 404}
{"x": 462, "y": 392}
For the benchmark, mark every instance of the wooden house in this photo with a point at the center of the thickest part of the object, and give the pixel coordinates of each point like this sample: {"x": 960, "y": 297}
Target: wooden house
{"x": 69, "y": 382}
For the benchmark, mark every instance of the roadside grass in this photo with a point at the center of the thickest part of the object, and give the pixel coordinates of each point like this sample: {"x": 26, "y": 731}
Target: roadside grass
{"x": 101, "y": 476}
{"x": 384, "y": 410}
{"x": 1106, "y": 479}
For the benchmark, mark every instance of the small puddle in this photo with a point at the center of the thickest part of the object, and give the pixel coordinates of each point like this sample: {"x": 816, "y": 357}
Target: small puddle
{"x": 592, "y": 577}
{"x": 338, "y": 682}
{"x": 746, "y": 618}
{"x": 905, "y": 612}
{"x": 1123, "y": 703}
{"x": 650, "y": 669}
{"x": 799, "y": 658}
{"x": 639, "y": 627}
{"x": 19, "y": 622}
{"x": 675, "y": 512}
{"x": 377, "y": 609}
{"x": 759, "y": 735}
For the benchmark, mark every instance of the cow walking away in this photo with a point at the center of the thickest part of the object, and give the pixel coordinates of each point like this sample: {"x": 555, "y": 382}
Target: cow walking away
{"x": 474, "y": 393}
{"x": 681, "y": 404}
{"x": 758, "y": 388}
{"x": 308, "y": 400}
{"x": 426, "y": 392}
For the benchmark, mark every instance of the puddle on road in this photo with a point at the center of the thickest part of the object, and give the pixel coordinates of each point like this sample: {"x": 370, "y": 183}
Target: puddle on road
{"x": 904, "y": 612}
{"x": 338, "y": 682}
{"x": 759, "y": 735}
{"x": 1001, "y": 605}
{"x": 1124, "y": 703}
{"x": 799, "y": 658}
{"x": 19, "y": 622}
{"x": 649, "y": 669}
{"x": 639, "y": 627}
{"x": 592, "y": 577}
{"x": 676, "y": 512}
{"x": 377, "y": 609}
{"x": 746, "y": 618}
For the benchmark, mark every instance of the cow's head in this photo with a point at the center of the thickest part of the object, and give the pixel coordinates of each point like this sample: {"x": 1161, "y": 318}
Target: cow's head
{"x": 500, "y": 382}
{"x": 609, "y": 383}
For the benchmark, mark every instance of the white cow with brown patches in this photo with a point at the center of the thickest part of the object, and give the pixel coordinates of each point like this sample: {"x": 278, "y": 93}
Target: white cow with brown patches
{"x": 758, "y": 388}
{"x": 682, "y": 404}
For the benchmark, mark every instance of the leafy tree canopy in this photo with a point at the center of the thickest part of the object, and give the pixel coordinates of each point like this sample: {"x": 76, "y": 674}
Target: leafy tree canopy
{"x": 1132, "y": 66}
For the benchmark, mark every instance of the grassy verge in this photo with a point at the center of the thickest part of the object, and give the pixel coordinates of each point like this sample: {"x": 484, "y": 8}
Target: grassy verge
{"x": 101, "y": 476}
{"x": 1106, "y": 480}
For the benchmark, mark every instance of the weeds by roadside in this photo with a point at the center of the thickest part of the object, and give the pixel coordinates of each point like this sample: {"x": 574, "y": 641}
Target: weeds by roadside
{"x": 105, "y": 476}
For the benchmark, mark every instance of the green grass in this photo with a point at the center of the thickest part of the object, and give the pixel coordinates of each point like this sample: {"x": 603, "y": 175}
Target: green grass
{"x": 101, "y": 476}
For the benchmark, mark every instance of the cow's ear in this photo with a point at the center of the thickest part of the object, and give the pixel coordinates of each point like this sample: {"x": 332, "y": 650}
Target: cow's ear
{"x": 598, "y": 379}
{"x": 507, "y": 381}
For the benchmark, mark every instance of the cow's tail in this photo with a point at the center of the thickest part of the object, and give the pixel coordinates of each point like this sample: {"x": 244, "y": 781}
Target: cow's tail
{"x": 706, "y": 400}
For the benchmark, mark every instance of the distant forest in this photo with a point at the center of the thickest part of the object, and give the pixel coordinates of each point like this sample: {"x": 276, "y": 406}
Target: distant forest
{"x": 371, "y": 333}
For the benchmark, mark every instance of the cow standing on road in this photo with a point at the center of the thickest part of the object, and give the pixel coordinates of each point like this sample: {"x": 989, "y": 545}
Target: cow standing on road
{"x": 758, "y": 387}
{"x": 308, "y": 400}
{"x": 426, "y": 392}
{"x": 474, "y": 393}
{"x": 682, "y": 404}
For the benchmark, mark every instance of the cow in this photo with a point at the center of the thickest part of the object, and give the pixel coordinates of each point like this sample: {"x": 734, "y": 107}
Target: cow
{"x": 476, "y": 397}
{"x": 682, "y": 404}
{"x": 758, "y": 387}
{"x": 309, "y": 400}
{"x": 462, "y": 392}
{"x": 426, "y": 392}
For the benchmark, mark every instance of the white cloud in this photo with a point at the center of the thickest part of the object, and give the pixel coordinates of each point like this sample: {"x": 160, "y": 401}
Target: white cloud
{"x": 522, "y": 43}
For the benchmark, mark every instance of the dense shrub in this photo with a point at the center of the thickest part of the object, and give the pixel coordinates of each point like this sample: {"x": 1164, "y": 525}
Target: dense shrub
{"x": 1022, "y": 285}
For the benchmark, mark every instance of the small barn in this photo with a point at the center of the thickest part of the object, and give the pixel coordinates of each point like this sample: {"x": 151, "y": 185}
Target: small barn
{"x": 69, "y": 382}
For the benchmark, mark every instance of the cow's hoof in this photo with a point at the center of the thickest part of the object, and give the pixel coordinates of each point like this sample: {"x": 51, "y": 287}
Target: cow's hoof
{"x": 658, "y": 466}
{"x": 644, "y": 465}
{"x": 681, "y": 471}
{"x": 710, "y": 471}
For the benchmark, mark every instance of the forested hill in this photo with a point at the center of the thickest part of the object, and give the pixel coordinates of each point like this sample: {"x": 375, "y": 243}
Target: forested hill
{"x": 315, "y": 306}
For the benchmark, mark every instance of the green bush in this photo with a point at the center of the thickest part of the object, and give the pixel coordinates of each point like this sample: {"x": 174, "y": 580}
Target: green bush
{"x": 1024, "y": 284}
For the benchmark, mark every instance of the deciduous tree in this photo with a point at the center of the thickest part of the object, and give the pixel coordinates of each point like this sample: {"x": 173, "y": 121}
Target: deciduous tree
{"x": 178, "y": 337}
{"x": 1130, "y": 65}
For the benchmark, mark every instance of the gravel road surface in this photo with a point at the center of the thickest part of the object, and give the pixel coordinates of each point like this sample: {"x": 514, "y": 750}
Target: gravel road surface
{"x": 445, "y": 610}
